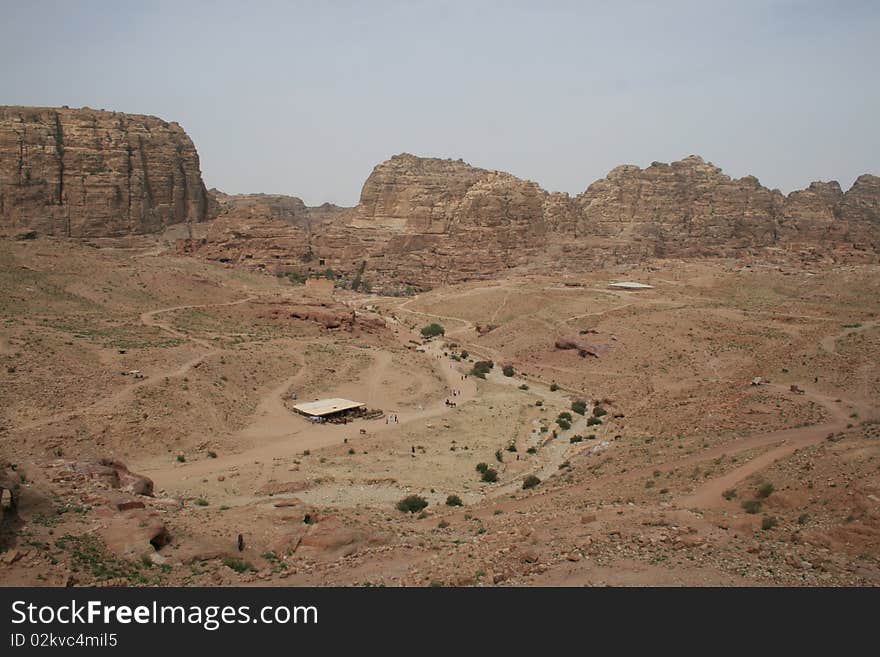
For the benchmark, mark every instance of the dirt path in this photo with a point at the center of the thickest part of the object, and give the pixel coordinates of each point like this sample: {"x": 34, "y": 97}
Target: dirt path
{"x": 109, "y": 402}
{"x": 829, "y": 344}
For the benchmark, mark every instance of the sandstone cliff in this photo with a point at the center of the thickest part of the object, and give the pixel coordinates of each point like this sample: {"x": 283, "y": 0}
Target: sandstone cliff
{"x": 90, "y": 173}
{"x": 423, "y": 222}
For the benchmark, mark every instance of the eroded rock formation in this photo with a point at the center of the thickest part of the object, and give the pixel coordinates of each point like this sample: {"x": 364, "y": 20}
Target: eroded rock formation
{"x": 91, "y": 173}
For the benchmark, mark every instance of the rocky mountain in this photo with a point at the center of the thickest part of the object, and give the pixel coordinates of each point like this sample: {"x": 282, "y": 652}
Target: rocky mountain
{"x": 420, "y": 222}
{"x": 91, "y": 173}
{"x": 425, "y": 222}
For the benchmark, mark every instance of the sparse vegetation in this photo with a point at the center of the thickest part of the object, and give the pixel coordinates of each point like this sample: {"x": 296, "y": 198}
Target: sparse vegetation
{"x": 579, "y": 406}
{"x": 453, "y": 500}
{"x": 412, "y": 504}
{"x": 765, "y": 490}
{"x": 481, "y": 368}
{"x": 530, "y": 482}
{"x": 508, "y": 370}
{"x": 752, "y": 506}
{"x": 433, "y": 330}
{"x": 490, "y": 476}
{"x": 729, "y": 494}
{"x": 238, "y": 565}
{"x": 768, "y": 522}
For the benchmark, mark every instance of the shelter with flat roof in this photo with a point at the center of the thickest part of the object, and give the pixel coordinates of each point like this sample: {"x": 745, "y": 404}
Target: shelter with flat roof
{"x": 330, "y": 408}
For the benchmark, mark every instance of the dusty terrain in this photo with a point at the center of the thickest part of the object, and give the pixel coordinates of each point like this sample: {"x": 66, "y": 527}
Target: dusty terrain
{"x": 120, "y": 352}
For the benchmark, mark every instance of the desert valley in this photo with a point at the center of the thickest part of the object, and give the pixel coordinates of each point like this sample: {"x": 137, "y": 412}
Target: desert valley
{"x": 671, "y": 378}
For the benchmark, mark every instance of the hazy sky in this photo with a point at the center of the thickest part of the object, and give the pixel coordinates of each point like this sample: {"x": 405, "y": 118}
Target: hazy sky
{"x": 304, "y": 98}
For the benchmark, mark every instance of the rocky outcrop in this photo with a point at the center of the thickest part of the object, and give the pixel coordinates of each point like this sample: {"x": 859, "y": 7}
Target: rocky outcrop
{"x": 423, "y": 222}
{"x": 91, "y": 173}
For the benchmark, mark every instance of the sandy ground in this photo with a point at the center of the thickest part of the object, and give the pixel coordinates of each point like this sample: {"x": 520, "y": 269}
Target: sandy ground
{"x": 653, "y": 491}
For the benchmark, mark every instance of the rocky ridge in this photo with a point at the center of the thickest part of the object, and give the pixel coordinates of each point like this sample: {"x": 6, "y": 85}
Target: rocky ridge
{"x": 91, "y": 173}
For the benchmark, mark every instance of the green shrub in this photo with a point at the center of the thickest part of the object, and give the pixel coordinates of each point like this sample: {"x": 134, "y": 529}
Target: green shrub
{"x": 598, "y": 411}
{"x": 564, "y": 424}
{"x": 212, "y": 455}
{"x": 565, "y": 415}
{"x": 765, "y": 490}
{"x": 490, "y": 476}
{"x": 523, "y": 387}
{"x": 412, "y": 504}
{"x": 768, "y": 522}
{"x": 238, "y": 565}
{"x": 752, "y": 506}
{"x": 453, "y": 500}
{"x": 530, "y": 482}
{"x": 532, "y": 450}
{"x": 433, "y": 330}
{"x": 482, "y": 367}
{"x": 575, "y": 439}
{"x": 499, "y": 456}
{"x": 508, "y": 370}
{"x": 553, "y": 387}
{"x": 181, "y": 458}
{"x": 511, "y": 447}
{"x": 202, "y": 501}
{"x": 482, "y": 467}
{"x": 593, "y": 421}
{"x": 729, "y": 494}
{"x": 464, "y": 355}
{"x": 579, "y": 406}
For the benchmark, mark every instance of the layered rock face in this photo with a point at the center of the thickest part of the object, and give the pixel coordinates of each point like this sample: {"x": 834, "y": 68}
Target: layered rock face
{"x": 423, "y": 222}
{"x": 426, "y": 221}
{"x": 90, "y": 173}
{"x": 263, "y": 231}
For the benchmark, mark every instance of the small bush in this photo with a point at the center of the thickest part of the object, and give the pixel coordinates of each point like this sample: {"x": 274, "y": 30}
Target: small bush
{"x": 565, "y": 415}
{"x": 564, "y": 424}
{"x": 412, "y": 504}
{"x": 593, "y": 421}
{"x": 523, "y": 387}
{"x": 553, "y": 387}
{"x": 532, "y": 450}
{"x": 481, "y": 368}
{"x": 181, "y": 458}
{"x": 729, "y": 494}
{"x": 433, "y": 330}
{"x": 464, "y": 355}
{"x": 212, "y": 455}
{"x": 508, "y": 370}
{"x": 490, "y": 476}
{"x": 499, "y": 456}
{"x": 768, "y": 522}
{"x": 482, "y": 467}
{"x": 530, "y": 482}
{"x": 306, "y": 452}
{"x": 752, "y": 506}
{"x": 576, "y": 439}
{"x": 598, "y": 411}
{"x": 238, "y": 565}
{"x": 454, "y": 500}
{"x": 579, "y": 406}
{"x": 765, "y": 490}
{"x": 511, "y": 447}
{"x": 202, "y": 501}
